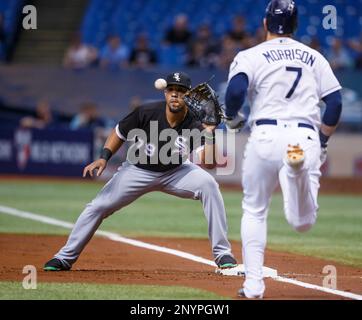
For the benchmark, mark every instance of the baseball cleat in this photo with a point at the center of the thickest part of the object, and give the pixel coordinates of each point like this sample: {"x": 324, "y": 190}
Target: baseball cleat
{"x": 227, "y": 261}
{"x": 55, "y": 265}
{"x": 241, "y": 294}
{"x": 295, "y": 156}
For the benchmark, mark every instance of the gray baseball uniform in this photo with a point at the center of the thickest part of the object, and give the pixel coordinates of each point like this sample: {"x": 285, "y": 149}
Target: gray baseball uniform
{"x": 185, "y": 180}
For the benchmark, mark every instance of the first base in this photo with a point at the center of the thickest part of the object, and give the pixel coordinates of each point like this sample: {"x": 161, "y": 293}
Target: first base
{"x": 240, "y": 271}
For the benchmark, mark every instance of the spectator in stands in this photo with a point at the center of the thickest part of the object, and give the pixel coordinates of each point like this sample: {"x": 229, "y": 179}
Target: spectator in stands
{"x": 338, "y": 56}
{"x": 2, "y": 37}
{"x": 316, "y": 45}
{"x": 197, "y": 55}
{"x": 203, "y": 48}
{"x": 87, "y": 118}
{"x": 114, "y": 54}
{"x": 42, "y": 119}
{"x": 258, "y": 37}
{"x": 142, "y": 55}
{"x": 135, "y": 102}
{"x": 356, "y": 46}
{"x": 179, "y": 33}
{"x": 239, "y": 34}
{"x": 227, "y": 53}
{"x": 79, "y": 55}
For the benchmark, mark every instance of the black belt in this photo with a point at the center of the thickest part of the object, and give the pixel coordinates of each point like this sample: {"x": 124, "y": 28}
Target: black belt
{"x": 275, "y": 122}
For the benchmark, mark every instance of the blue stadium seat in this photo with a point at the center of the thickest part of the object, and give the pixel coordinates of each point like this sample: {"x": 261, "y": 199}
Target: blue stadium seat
{"x": 11, "y": 11}
{"x": 153, "y": 16}
{"x": 172, "y": 56}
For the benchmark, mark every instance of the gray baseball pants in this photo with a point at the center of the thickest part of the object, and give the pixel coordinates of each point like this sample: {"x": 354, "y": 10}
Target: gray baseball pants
{"x": 130, "y": 182}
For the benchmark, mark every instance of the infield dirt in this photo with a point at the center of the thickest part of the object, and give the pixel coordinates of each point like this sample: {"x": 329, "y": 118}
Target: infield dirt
{"x": 105, "y": 261}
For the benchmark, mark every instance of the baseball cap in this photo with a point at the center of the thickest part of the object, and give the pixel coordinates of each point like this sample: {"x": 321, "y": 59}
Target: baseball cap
{"x": 180, "y": 79}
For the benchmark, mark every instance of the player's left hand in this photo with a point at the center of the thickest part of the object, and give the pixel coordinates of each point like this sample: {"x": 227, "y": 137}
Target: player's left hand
{"x": 236, "y": 123}
{"x": 203, "y": 104}
{"x": 323, "y": 156}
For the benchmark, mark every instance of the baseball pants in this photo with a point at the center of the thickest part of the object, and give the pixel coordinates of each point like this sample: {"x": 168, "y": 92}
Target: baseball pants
{"x": 263, "y": 167}
{"x": 130, "y": 182}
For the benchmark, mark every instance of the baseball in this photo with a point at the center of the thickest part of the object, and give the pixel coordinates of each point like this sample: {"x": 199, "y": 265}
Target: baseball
{"x": 160, "y": 84}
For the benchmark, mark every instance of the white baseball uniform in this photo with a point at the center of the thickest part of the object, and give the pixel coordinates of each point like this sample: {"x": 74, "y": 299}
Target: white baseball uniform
{"x": 286, "y": 82}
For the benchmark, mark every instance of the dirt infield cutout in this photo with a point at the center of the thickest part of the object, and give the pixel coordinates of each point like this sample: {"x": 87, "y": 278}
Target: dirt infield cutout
{"x": 105, "y": 261}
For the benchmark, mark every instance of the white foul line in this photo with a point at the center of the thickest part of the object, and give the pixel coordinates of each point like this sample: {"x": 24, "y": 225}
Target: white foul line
{"x": 109, "y": 235}
{"x": 137, "y": 243}
{"x": 315, "y": 287}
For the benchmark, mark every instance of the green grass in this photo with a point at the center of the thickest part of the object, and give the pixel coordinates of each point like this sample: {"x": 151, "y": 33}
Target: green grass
{"x": 336, "y": 236}
{"x": 85, "y": 291}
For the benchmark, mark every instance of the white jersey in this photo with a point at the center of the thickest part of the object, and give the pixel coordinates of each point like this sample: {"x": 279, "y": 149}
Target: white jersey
{"x": 287, "y": 80}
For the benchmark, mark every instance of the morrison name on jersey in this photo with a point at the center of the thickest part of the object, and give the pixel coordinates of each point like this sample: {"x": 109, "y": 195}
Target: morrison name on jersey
{"x": 290, "y": 54}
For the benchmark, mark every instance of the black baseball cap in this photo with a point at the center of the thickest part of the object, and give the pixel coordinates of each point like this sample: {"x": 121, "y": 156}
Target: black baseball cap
{"x": 179, "y": 79}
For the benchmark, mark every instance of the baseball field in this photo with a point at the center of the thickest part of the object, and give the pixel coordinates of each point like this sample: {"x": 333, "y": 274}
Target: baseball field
{"x": 36, "y": 217}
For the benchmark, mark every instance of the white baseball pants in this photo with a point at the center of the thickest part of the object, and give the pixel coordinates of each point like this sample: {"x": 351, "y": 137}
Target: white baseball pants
{"x": 264, "y": 166}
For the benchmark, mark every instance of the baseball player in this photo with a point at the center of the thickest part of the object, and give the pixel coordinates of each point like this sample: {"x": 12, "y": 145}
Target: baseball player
{"x": 133, "y": 179}
{"x": 285, "y": 81}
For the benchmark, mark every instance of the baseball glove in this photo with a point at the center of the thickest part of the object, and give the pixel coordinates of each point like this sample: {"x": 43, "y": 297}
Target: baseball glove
{"x": 203, "y": 103}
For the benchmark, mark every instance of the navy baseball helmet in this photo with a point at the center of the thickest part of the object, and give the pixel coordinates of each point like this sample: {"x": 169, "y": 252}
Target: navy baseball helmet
{"x": 281, "y": 17}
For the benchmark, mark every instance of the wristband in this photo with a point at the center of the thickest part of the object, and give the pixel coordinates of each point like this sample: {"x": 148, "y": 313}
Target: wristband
{"x": 323, "y": 139}
{"x": 106, "y": 154}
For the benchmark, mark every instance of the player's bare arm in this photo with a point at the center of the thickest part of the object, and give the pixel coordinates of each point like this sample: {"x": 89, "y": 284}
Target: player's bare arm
{"x": 202, "y": 102}
{"x": 207, "y": 155}
{"x": 111, "y": 146}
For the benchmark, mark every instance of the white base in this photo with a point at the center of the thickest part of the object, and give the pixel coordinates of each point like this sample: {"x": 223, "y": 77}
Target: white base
{"x": 240, "y": 271}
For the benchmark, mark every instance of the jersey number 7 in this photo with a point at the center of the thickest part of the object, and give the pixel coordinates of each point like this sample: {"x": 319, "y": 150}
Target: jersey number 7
{"x": 299, "y": 75}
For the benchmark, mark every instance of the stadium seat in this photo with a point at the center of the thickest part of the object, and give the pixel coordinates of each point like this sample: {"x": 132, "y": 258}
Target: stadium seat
{"x": 11, "y": 10}
{"x": 130, "y": 17}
